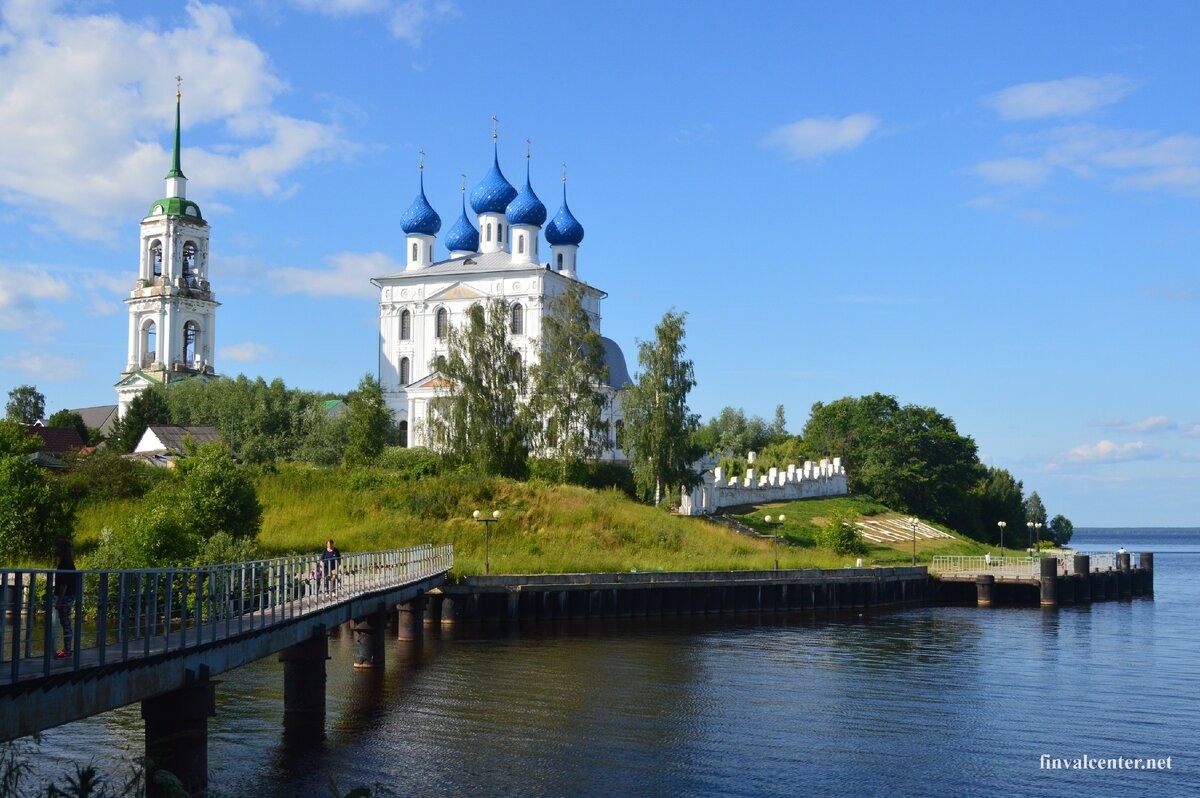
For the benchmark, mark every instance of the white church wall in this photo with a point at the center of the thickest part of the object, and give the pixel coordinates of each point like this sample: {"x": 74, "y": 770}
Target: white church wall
{"x": 717, "y": 490}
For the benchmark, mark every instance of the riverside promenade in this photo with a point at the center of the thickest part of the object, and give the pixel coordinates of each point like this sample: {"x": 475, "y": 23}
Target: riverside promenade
{"x": 1049, "y": 581}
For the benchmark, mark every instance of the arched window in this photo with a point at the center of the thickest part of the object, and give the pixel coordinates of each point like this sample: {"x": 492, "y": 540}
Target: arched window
{"x": 156, "y": 257}
{"x": 405, "y": 325}
{"x": 516, "y": 324}
{"x": 489, "y": 231}
{"x": 189, "y": 260}
{"x": 560, "y": 261}
{"x": 439, "y": 363}
{"x": 405, "y": 377}
{"x": 404, "y": 434}
{"x": 520, "y": 245}
{"x": 441, "y": 323}
{"x": 618, "y": 428}
{"x": 191, "y": 333}
{"x": 500, "y": 232}
{"x": 149, "y": 343}
{"x": 414, "y": 252}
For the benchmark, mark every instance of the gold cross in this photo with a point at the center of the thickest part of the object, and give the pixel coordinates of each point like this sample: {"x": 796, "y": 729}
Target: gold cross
{"x": 421, "y": 162}
{"x": 528, "y": 146}
{"x": 463, "y": 175}
{"x": 495, "y": 126}
{"x": 564, "y": 171}
{"x": 178, "y": 86}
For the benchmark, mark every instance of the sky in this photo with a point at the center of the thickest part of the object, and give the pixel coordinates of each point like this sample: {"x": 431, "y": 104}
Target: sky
{"x": 990, "y": 209}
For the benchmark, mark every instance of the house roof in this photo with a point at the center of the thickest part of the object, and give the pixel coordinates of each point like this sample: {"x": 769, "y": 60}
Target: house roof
{"x": 171, "y": 437}
{"x": 56, "y": 440}
{"x": 97, "y": 417}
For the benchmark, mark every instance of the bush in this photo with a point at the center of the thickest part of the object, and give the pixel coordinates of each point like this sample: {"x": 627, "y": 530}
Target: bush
{"x": 33, "y": 512}
{"x": 106, "y": 475}
{"x": 588, "y": 474}
{"x": 411, "y": 463}
{"x": 223, "y": 548}
{"x": 840, "y": 534}
{"x": 218, "y": 494}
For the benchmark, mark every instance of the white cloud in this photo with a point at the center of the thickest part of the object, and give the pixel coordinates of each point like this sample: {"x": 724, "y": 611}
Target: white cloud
{"x": 407, "y": 20}
{"x": 350, "y": 276}
{"x": 44, "y": 366}
{"x": 814, "y": 137}
{"x": 1148, "y": 424}
{"x": 85, "y": 112}
{"x": 1108, "y": 452}
{"x": 245, "y": 352}
{"x": 21, "y": 291}
{"x": 1053, "y": 98}
{"x": 1025, "y": 171}
{"x": 1195, "y": 430}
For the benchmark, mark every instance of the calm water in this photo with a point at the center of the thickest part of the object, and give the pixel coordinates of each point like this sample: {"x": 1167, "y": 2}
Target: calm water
{"x": 926, "y": 701}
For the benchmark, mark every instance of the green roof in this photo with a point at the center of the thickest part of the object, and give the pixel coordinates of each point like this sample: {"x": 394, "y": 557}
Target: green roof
{"x": 175, "y": 206}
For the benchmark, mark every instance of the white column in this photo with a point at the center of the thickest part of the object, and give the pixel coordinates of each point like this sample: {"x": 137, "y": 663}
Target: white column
{"x": 133, "y": 342}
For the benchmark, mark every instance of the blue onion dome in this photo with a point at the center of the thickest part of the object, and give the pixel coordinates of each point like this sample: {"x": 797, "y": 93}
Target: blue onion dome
{"x": 526, "y": 208}
{"x": 564, "y": 228}
{"x": 463, "y": 237}
{"x": 421, "y": 218}
{"x": 493, "y": 193}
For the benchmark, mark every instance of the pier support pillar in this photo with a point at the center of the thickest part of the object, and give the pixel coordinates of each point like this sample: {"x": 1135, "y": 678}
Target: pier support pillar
{"x": 410, "y": 620}
{"x": 177, "y": 737}
{"x": 369, "y": 633}
{"x": 984, "y": 585}
{"x": 304, "y": 686}
{"x": 1081, "y": 566}
{"x": 433, "y": 610}
{"x": 449, "y": 610}
{"x": 1048, "y": 577}
{"x": 1146, "y": 560}
{"x": 1124, "y": 578}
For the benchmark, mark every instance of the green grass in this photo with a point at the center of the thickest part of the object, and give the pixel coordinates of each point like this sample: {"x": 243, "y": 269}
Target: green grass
{"x": 543, "y": 528}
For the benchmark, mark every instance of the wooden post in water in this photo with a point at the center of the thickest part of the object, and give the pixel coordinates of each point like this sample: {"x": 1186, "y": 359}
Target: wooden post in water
{"x": 1048, "y": 579}
{"x": 1147, "y": 562}
{"x": 984, "y": 584}
{"x": 1124, "y": 578}
{"x": 1081, "y": 566}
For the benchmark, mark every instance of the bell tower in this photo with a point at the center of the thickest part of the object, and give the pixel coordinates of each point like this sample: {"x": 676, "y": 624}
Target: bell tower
{"x": 172, "y": 310}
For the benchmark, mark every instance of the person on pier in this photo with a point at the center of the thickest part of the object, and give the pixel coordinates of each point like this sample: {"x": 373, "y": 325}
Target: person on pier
{"x": 64, "y": 592}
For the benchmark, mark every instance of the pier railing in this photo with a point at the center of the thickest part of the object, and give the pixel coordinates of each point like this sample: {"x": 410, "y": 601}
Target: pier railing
{"x": 1025, "y": 567}
{"x": 121, "y": 615}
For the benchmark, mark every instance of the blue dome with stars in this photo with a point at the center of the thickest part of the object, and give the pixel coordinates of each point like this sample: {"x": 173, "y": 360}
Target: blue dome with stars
{"x": 463, "y": 237}
{"x": 526, "y": 208}
{"x": 564, "y": 228}
{"x": 421, "y": 218}
{"x": 493, "y": 193}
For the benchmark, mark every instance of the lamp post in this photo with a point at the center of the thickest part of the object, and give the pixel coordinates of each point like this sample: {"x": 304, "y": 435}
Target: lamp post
{"x": 1001, "y": 524}
{"x": 1032, "y": 526}
{"x": 487, "y": 537}
{"x": 774, "y": 537}
{"x": 912, "y": 522}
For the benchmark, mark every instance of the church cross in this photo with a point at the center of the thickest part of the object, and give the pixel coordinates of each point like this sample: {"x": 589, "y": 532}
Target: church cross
{"x": 421, "y": 160}
{"x": 495, "y": 127}
{"x": 178, "y": 86}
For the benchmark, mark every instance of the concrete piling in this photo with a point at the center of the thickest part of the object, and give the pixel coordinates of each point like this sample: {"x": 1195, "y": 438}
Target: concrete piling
{"x": 369, "y": 636}
{"x": 984, "y": 585}
{"x": 409, "y": 617}
{"x": 177, "y": 737}
{"x": 1048, "y": 580}
{"x": 304, "y": 686}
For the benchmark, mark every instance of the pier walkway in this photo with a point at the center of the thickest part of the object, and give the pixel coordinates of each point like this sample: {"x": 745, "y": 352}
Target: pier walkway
{"x": 1060, "y": 578}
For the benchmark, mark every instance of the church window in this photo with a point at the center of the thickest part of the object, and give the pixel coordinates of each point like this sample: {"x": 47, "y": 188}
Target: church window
{"x": 430, "y": 253}
{"x": 489, "y": 231}
{"x": 190, "y": 333}
{"x": 520, "y": 245}
{"x": 149, "y": 338}
{"x": 439, "y": 363}
{"x": 441, "y": 323}
{"x": 156, "y": 257}
{"x": 405, "y": 376}
{"x": 404, "y": 434}
{"x": 405, "y": 325}
{"x": 189, "y": 260}
{"x": 414, "y": 252}
{"x": 517, "y": 324}
{"x": 500, "y": 233}
{"x": 560, "y": 261}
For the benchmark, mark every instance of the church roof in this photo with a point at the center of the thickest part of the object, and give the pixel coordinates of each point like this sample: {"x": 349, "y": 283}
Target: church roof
{"x": 421, "y": 218}
{"x": 526, "y": 208}
{"x": 614, "y": 358}
{"x": 99, "y": 417}
{"x": 175, "y": 206}
{"x": 493, "y": 193}
{"x": 564, "y": 228}
{"x": 462, "y": 236}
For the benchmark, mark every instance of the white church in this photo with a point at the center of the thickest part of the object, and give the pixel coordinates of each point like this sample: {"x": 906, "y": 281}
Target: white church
{"x": 172, "y": 310}
{"x": 497, "y": 256}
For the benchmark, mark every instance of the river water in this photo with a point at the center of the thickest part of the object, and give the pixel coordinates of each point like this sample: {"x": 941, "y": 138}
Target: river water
{"x": 923, "y": 701}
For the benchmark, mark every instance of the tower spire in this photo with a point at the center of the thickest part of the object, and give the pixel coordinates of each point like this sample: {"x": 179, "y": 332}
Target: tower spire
{"x": 176, "y": 171}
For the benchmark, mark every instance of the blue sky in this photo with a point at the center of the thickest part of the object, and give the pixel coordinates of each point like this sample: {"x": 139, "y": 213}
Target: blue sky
{"x": 990, "y": 209}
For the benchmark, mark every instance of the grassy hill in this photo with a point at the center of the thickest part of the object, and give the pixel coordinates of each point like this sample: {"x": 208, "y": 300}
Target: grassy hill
{"x": 543, "y": 528}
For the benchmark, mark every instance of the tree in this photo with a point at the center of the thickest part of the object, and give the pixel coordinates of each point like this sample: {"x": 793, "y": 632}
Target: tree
{"x": 1062, "y": 529}
{"x": 567, "y": 397}
{"x": 369, "y": 422}
{"x": 33, "y": 511}
{"x": 148, "y": 407}
{"x": 659, "y": 426}
{"x": 996, "y": 497}
{"x": 478, "y": 420}
{"x": 26, "y": 405}
{"x": 15, "y": 440}
{"x": 840, "y": 533}
{"x": 1035, "y": 511}
{"x": 732, "y": 431}
{"x": 779, "y": 425}
{"x": 68, "y": 420}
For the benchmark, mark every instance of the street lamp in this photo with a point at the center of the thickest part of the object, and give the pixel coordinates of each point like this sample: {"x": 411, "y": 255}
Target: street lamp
{"x": 913, "y": 523}
{"x": 1001, "y": 524}
{"x": 487, "y": 537}
{"x": 1032, "y": 526}
{"x": 775, "y": 538}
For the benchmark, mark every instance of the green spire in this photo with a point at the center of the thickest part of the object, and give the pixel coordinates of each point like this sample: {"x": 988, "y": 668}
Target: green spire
{"x": 175, "y": 170}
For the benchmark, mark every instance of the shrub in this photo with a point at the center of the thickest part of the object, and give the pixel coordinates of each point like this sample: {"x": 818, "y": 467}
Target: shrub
{"x": 106, "y": 475}
{"x": 33, "y": 511}
{"x": 410, "y": 463}
{"x": 598, "y": 475}
{"x": 224, "y": 548}
{"x": 840, "y": 534}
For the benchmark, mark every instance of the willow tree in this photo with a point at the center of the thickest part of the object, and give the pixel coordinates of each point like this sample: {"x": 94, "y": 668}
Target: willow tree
{"x": 478, "y": 419}
{"x": 568, "y": 398}
{"x": 659, "y": 426}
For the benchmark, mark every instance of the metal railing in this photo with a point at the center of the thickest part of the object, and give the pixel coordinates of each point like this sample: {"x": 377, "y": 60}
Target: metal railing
{"x": 115, "y": 616}
{"x": 1026, "y": 567}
